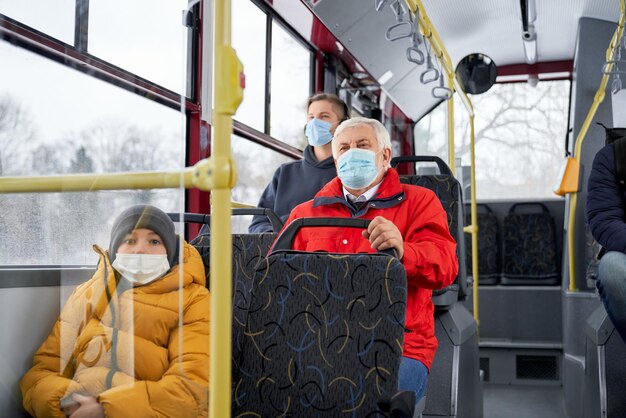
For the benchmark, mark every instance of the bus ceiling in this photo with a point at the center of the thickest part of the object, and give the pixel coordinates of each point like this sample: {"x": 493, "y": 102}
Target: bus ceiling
{"x": 526, "y": 39}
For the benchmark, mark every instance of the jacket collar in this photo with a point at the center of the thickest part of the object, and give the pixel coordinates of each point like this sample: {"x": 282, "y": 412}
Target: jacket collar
{"x": 390, "y": 193}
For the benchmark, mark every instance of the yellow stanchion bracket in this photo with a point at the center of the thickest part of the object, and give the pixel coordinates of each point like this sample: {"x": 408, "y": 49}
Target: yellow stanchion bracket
{"x": 231, "y": 92}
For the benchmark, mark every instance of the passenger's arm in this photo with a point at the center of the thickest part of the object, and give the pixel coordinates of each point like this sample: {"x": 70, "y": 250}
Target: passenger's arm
{"x": 261, "y": 223}
{"x": 605, "y": 205}
{"x": 430, "y": 257}
{"x": 183, "y": 389}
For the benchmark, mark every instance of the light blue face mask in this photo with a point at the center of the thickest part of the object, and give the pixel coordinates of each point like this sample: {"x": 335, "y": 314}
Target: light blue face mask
{"x": 318, "y": 132}
{"x": 356, "y": 168}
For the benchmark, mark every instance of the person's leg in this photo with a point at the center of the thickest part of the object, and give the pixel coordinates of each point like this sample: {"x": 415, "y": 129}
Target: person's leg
{"x": 612, "y": 288}
{"x": 413, "y": 375}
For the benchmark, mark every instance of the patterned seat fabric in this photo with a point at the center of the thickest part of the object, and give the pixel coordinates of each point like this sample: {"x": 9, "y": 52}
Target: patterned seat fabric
{"x": 323, "y": 336}
{"x": 249, "y": 256}
{"x": 529, "y": 248}
{"x": 448, "y": 190}
{"x": 488, "y": 246}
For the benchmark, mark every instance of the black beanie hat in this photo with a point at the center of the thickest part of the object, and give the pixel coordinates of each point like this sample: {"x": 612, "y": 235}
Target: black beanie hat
{"x": 148, "y": 217}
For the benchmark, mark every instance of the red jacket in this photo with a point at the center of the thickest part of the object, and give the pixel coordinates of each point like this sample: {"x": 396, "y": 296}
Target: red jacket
{"x": 429, "y": 249}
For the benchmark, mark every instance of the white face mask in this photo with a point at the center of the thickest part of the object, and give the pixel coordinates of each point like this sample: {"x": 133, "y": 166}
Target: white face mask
{"x": 141, "y": 268}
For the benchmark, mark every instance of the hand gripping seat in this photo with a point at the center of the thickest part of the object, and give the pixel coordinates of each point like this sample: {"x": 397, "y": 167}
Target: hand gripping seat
{"x": 249, "y": 254}
{"x": 488, "y": 246}
{"x": 448, "y": 190}
{"x": 324, "y": 333}
{"x": 529, "y": 247}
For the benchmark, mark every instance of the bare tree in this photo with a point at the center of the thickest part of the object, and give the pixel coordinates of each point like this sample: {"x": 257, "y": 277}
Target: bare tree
{"x": 519, "y": 134}
{"x": 16, "y": 133}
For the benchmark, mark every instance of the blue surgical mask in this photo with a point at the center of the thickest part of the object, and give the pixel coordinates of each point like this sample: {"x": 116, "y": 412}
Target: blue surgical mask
{"x": 318, "y": 132}
{"x": 356, "y": 168}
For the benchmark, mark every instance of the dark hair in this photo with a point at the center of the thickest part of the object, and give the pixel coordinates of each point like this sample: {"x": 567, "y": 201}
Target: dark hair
{"x": 344, "y": 112}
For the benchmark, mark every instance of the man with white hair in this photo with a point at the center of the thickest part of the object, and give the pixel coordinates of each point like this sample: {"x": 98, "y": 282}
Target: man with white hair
{"x": 405, "y": 217}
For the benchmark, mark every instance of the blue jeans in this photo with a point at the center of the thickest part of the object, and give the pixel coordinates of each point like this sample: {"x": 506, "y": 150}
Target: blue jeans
{"x": 612, "y": 288}
{"x": 413, "y": 375}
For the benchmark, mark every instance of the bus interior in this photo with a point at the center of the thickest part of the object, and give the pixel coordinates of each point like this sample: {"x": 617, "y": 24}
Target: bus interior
{"x": 502, "y": 92}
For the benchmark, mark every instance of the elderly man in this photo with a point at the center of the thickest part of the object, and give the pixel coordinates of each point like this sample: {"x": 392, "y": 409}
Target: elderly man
{"x": 405, "y": 217}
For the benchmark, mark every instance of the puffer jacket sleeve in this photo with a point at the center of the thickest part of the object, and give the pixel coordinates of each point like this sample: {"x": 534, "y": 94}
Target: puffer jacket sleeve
{"x": 43, "y": 386}
{"x": 430, "y": 257}
{"x": 261, "y": 223}
{"x": 605, "y": 204}
{"x": 183, "y": 390}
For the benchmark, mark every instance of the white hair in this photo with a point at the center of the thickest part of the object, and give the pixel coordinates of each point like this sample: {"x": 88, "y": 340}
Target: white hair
{"x": 382, "y": 136}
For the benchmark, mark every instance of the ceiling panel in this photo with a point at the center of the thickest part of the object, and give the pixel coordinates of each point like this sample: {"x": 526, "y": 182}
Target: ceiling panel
{"x": 492, "y": 27}
{"x": 339, "y": 16}
{"x": 374, "y": 51}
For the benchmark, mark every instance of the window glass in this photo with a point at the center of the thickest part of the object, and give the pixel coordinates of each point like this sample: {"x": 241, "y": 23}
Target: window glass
{"x": 54, "y": 120}
{"x": 36, "y": 14}
{"x": 290, "y": 87}
{"x": 519, "y": 138}
{"x": 256, "y": 166}
{"x": 249, "y": 40}
{"x": 145, "y": 37}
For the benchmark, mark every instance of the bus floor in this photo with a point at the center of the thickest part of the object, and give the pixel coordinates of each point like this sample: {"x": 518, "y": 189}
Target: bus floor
{"x": 516, "y": 401}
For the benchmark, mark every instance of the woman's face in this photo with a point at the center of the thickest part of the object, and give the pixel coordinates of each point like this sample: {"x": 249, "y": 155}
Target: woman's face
{"x": 142, "y": 241}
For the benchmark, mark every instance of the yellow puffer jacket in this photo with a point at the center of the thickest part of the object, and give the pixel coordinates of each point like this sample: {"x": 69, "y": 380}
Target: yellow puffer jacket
{"x": 139, "y": 351}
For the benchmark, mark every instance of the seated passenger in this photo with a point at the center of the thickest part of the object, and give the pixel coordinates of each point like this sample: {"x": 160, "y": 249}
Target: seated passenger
{"x": 298, "y": 181}
{"x": 405, "y": 217}
{"x": 606, "y": 214}
{"x": 133, "y": 341}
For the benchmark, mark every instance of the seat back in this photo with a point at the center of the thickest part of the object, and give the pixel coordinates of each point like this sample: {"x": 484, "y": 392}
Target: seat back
{"x": 448, "y": 190}
{"x": 488, "y": 246}
{"x": 323, "y": 335}
{"x": 249, "y": 255}
{"x": 529, "y": 247}
{"x": 324, "y": 332}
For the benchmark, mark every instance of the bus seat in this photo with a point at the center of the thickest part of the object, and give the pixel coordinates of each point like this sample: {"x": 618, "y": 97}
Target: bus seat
{"x": 454, "y": 385}
{"x": 488, "y": 245}
{"x": 605, "y": 368}
{"x": 448, "y": 190}
{"x": 529, "y": 247}
{"x": 249, "y": 255}
{"x": 323, "y": 335}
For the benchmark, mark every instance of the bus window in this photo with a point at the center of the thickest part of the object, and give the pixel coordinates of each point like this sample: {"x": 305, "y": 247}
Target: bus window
{"x": 290, "y": 87}
{"x": 156, "y": 40}
{"x": 55, "y": 120}
{"x": 519, "y": 138}
{"x": 249, "y": 40}
{"x": 36, "y": 14}
{"x": 256, "y": 166}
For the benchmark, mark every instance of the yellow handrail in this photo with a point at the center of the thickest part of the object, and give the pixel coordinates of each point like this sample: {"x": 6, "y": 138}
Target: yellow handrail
{"x": 227, "y": 95}
{"x": 473, "y": 227}
{"x": 241, "y": 205}
{"x": 198, "y": 176}
{"x": 598, "y": 99}
{"x": 429, "y": 32}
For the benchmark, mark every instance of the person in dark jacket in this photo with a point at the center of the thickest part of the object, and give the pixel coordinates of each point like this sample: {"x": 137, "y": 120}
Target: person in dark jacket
{"x": 405, "y": 217}
{"x": 298, "y": 181}
{"x": 606, "y": 203}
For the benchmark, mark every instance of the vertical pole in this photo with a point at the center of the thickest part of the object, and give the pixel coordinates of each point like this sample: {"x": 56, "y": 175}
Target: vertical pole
{"x": 227, "y": 95}
{"x": 474, "y": 222}
{"x": 451, "y": 152}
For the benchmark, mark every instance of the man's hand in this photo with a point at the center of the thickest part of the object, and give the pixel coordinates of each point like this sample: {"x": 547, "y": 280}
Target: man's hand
{"x": 89, "y": 407}
{"x": 384, "y": 234}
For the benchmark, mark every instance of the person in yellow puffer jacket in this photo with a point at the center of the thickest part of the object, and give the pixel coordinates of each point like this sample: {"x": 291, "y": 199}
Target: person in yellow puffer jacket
{"x": 133, "y": 341}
